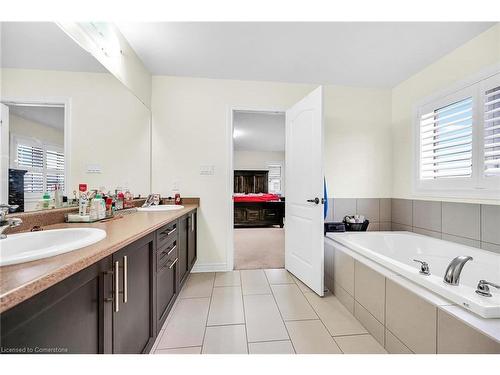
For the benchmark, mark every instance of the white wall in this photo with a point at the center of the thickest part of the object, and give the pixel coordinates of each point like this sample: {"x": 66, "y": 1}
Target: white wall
{"x": 190, "y": 129}
{"x": 126, "y": 66}
{"x": 479, "y": 53}
{"x": 109, "y": 125}
{"x": 44, "y": 133}
{"x": 256, "y": 159}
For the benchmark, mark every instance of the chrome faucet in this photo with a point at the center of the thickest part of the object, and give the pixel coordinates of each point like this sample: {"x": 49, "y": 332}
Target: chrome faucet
{"x": 6, "y": 222}
{"x": 454, "y": 269}
{"x": 152, "y": 200}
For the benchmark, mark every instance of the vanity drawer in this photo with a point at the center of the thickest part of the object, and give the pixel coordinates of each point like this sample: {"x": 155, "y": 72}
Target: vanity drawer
{"x": 166, "y": 234}
{"x": 166, "y": 253}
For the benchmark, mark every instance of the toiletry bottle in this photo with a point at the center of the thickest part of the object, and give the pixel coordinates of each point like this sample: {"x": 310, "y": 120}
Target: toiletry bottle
{"x": 127, "y": 203}
{"x": 119, "y": 201}
{"x": 82, "y": 200}
{"x": 98, "y": 207}
{"x": 177, "y": 196}
{"x": 46, "y": 200}
{"x": 58, "y": 196}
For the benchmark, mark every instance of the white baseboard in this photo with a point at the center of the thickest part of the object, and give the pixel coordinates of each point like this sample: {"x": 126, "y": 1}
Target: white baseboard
{"x": 209, "y": 267}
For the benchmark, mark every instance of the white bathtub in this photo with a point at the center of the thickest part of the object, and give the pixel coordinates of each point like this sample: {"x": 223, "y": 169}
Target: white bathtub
{"x": 396, "y": 251}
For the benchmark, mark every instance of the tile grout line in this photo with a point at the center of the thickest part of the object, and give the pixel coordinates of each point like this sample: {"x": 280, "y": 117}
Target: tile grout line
{"x": 323, "y": 323}
{"x": 208, "y": 314}
{"x": 279, "y": 310}
{"x": 244, "y": 312}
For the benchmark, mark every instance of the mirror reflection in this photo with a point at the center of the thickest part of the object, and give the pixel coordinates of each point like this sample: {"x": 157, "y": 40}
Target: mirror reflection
{"x": 66, "y": 121}
{"x": 37, "y": 157}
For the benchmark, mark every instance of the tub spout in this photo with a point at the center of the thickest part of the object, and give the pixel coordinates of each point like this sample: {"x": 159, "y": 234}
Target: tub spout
{"x": 454, "y": 269}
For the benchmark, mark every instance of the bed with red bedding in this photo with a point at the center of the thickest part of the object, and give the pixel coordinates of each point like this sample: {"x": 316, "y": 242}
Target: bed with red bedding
{"x": 252, "y": 210}
{"x": 256, "y": 197}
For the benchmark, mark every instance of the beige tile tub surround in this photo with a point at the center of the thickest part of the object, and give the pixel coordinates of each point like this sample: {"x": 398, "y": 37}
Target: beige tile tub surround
{"x": 22, "y": 281}
{"x": 411, "y": 319}
{"x": 371, "y": 324}
{"x": 377, "y": 210}
{"x": 265, "y": 330}
{"x": 369, "y": 290}
{"x": 469, "y": 224}
{"x": 393, "y": 345}
{"x": 337, "y": 319}
{"x": 454, "y": 337}
{"x": 411, "y": 323}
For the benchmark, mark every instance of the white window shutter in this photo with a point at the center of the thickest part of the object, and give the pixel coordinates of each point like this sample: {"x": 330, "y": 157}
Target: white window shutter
{"x": 446, "y": 141}
{"x": 491, "y": 136}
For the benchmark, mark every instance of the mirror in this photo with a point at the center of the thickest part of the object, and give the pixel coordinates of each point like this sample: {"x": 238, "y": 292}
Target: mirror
{"x": 65, "y": 121}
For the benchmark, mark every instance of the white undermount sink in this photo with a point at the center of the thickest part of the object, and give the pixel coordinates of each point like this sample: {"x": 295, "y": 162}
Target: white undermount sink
{"x": 160, "y": 208}
{"x": 25, "y": 247}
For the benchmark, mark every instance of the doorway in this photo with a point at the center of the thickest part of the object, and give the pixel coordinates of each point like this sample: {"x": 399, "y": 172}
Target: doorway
{"x": 34, "y": 150}
{"x": 258, "y": 189}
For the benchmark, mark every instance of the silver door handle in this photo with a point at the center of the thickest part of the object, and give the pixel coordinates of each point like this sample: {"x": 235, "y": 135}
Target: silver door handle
{"x": 117, "y": 286}
{"x": 125, "y": 279}
{"x": 315, "y": 200}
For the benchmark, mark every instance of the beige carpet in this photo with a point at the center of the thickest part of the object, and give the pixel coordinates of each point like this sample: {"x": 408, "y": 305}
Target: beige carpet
{"x": 256, "y": 248}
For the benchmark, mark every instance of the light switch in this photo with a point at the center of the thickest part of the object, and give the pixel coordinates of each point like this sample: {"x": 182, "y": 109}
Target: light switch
{"x": 207, "y": 170}
{"x": 94, "y": 168}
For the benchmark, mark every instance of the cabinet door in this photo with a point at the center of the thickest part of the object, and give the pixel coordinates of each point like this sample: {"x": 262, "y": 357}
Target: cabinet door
{"x": 191, "y": 239}
{"x": 69, "y": 317}
{"x": 183, "y": 249}
{"x": 167, "y": 286}
{"x": 133, "y": 313}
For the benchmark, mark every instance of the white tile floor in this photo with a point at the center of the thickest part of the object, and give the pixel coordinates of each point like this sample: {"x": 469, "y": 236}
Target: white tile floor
{"x": 259, "y": 312}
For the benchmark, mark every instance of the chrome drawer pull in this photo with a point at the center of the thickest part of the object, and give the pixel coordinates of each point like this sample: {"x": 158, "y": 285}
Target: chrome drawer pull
{"x": 172, "y": 249}
{"x": 117, "y": 286}
{"x": 125, "y": 279}
{"x": 172, "y": 231}
{"x": 175, "y": 261}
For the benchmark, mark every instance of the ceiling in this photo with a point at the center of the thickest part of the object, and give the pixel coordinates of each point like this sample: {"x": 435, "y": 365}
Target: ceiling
{"x": 259, "y": 131}
{"x": 363, "y": 54}
{"x": 49, "y": 116}
{"x": 43, "y": 45}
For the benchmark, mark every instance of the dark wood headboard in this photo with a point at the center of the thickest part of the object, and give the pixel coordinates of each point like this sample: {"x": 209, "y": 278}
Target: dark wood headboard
{"x": 250, "y": 181}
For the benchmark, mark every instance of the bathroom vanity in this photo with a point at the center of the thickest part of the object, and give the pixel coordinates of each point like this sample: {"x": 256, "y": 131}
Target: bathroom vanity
{"x": 110, "y": 297}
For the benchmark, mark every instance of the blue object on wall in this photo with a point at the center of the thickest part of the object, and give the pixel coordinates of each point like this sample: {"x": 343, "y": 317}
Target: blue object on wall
{"x": 325, "y": 196}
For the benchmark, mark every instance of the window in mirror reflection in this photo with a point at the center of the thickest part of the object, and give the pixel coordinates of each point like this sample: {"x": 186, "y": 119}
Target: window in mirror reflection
{"x": 36, "y": 153}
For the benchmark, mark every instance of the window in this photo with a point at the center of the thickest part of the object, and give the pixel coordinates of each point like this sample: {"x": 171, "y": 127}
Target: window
{"x": 274, "y": 178}
{"x": 492, "y": 132}
{"x": 44, "y": 164}
{"x": 446, "y": 142}
{"x": 458, "y": 142}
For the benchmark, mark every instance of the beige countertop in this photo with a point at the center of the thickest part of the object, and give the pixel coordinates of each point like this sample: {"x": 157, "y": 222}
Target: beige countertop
{"x": 19, "y": 282}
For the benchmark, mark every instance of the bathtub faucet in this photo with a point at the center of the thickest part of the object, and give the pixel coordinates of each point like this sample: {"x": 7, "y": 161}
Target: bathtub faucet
{"x": 454, "y": 269}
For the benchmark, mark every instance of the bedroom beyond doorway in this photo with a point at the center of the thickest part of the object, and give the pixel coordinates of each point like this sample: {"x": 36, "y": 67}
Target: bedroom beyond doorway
{"x": 259, "y": 189}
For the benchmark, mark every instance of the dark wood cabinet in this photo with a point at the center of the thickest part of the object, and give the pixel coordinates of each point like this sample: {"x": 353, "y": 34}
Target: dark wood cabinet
{"x": 247, "y": 214}
{"x": 167, "y": 273}
{"x": 117, "y": 305}
{"x": 183, "y": 249}
{"x": 191, "y": 228}
{"x": 70, "y": 317}
{"x": 133, "y": 313}
{"x": 250, "y": 181}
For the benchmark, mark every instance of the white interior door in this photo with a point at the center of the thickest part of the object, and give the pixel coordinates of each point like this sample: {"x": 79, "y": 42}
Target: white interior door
{"x": 4, "y": 154}
{"x": 304, "y": 253}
